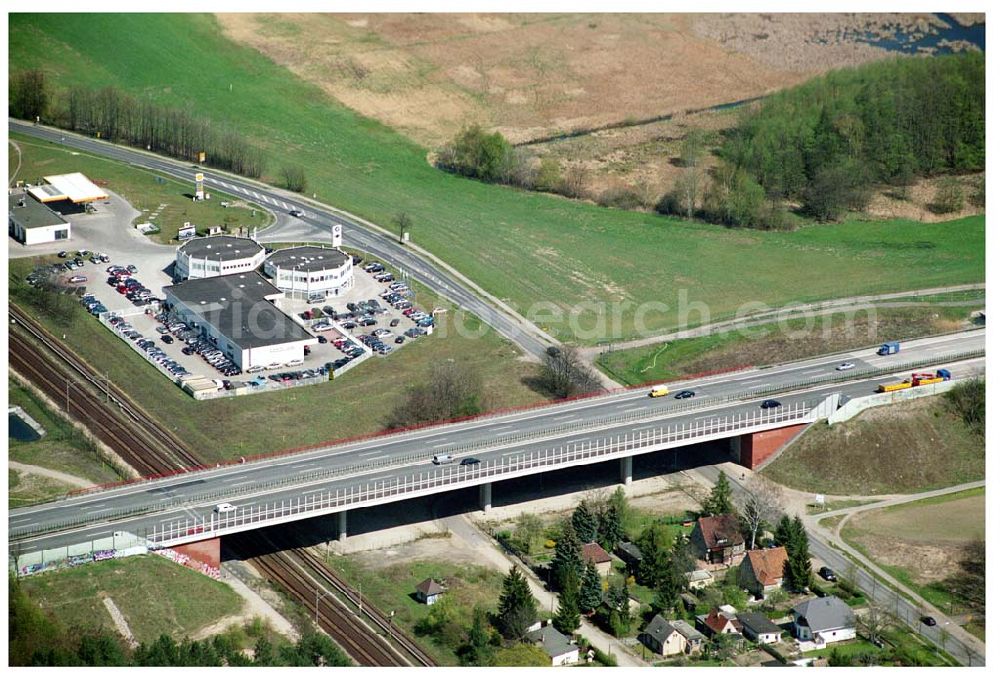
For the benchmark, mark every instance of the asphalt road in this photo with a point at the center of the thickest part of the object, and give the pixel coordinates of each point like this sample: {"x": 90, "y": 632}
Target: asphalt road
{"x": 547, "y": 425}
{"x": 316, "y": 224}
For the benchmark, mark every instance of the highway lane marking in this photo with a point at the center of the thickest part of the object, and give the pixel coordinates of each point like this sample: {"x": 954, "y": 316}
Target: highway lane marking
{"x": 814, "y": 371}
{"x": 370, "y": 453}
{"x": 559, "y": 418}
{"x": 503, "y": 427}
{"x": 446, "y": 444}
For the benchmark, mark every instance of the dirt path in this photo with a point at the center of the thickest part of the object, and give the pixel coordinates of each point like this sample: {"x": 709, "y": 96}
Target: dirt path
{"x": 253, "y": 606}
{"x": 13, "y": 174}
{"x": 66, "y": 478}
{"x": 120, "y": 623}
{"x": 773, "y": 315}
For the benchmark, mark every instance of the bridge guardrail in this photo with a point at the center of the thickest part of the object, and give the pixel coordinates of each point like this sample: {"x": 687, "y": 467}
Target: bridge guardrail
{"x": 496, "y": 443}
{"x": 701, "y": 403}
{"x": 461, "y": 476}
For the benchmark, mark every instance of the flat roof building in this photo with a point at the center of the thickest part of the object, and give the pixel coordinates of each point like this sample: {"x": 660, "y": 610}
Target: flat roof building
{"x": 237, "y": 314}
{"x": 75, "y": 188}
{"x": 30, "y": 222}
{"x": 216, "y": 255}
{"x": 310, "y": 272}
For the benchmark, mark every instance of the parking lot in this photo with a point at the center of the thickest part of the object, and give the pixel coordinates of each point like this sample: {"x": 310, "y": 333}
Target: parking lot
{"x": 380, "y": 314}
{"x": 374, "y": 318}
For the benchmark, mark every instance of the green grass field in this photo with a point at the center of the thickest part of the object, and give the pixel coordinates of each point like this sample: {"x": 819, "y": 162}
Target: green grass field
{"x": 885, "y": 450}
{"x": 154, "y": 595}
{"x": 774, "y": 343}
{"x": 521, "y": 246}
{"x": 146, "y": 191}
{"x": 356, "y": 403}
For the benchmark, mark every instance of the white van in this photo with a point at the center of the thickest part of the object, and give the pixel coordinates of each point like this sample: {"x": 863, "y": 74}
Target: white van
{"x": 442, "y": 459}
{"x": 224, "y": 508}
{"x": 294, "y": 363}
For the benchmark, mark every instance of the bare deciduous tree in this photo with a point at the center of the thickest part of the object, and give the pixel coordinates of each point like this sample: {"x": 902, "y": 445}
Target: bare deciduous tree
{"x": 564, "y": 373}
{"x": 760, "y": 505}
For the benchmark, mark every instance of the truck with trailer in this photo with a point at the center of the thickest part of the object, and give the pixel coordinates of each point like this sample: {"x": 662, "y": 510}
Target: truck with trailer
{"x": 916, "y": 379}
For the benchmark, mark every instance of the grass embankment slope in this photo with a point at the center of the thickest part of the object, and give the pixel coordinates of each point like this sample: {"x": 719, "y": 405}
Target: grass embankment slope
{"x": 794, "y": 339}
{"x": 63, "y": 448}
{"x": 906, "y": 448}
{"x": 163, "y": 201}
{"x": 524, "y": 247}
{"x": 356, "y": 403}
{"x": 154, "y": 595}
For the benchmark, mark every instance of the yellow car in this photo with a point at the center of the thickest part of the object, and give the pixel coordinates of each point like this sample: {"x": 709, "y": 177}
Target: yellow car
{"x": 659, "y": 391}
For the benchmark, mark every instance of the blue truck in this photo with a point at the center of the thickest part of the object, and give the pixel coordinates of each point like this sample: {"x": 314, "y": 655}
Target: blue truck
{"x": 888, "y": 348}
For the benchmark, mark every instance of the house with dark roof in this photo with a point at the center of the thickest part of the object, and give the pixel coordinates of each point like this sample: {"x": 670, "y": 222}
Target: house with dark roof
{"x": 763, "y": 571}
{"x": 429, "y": 590}
{"x": 822, "y": 620}
{"x": 630, "y": 554}
{"x": 669, "y": 638}
{"x": 237, "y": 313}
{"x": 758, "y": 628}
{"x": 721, "y": 620}
{"x": 717, "y": 539}
{"x": 560, "y": 648}
{"x": 593, "y": 552}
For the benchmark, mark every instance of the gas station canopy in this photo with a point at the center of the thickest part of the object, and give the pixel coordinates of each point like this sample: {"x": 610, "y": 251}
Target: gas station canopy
{"x": 75, "y": 187}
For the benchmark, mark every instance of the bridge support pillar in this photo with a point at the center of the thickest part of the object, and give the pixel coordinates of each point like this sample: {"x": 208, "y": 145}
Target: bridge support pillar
{"x": 756, "y": 448}
{"x": 342, "y": 526}
{"x": 625, "y": 470}
{"x": 486, "y": 496}
{"x": 736, "y": 448}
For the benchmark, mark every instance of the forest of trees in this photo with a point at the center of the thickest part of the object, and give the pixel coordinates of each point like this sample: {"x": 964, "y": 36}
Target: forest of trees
{"x": 120, "y": 117}
{"x": 825, "y": 143}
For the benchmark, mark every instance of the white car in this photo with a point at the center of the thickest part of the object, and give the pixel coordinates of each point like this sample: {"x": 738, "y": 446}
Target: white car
{"x": 845, "y": 366}
{"x": 224, "y": 508}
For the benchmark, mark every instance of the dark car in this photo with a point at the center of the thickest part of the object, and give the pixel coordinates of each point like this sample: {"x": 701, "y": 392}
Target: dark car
{"x": 770, "y": 404}
{"x": 63, "y": 255}
{"x": 166, "y": 338}
{"x": 394, "y": 323}
{"x": 469, "y": 461}
{"x": 296, "y": 212}
{"x": 826, "y": 573}
{"x": 321, "y": 339}
{"x": 400, "y": 339}
{"x": 928, "y": 620}
{"x": 684, "y": 394}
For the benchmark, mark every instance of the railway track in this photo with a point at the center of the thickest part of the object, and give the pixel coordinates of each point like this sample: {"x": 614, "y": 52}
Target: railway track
{"x": 140, "y": 441}
{"x": 333, "y": 580}
{"x": 312, "y": 587}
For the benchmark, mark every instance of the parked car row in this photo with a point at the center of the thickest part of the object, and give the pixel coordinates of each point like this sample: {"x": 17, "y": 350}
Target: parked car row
{"x": 376, "y": 344}
{"x": 170, "y": 329}
{"x": 349, "y": 348}
{"x": 148, "y": 346}
{"x": 93, "y": 306}
{"x": 120, "y": 277}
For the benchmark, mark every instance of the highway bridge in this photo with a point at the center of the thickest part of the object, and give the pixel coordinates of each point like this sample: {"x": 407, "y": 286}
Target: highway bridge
{"x": 338, "y": 478}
